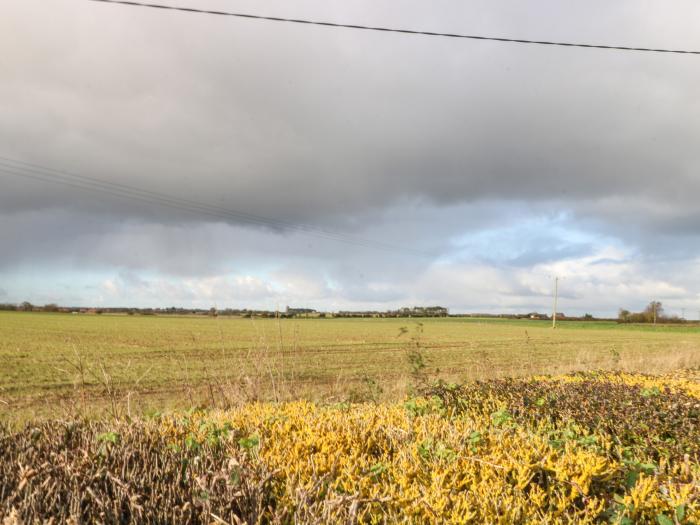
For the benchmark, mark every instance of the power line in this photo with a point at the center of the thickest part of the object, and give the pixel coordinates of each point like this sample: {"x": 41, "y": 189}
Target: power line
{"x": 190, "y": 206}
{"x": 132, "y": 193}
{"x": 398, "y": 30}
{"x": 40, "y": 173}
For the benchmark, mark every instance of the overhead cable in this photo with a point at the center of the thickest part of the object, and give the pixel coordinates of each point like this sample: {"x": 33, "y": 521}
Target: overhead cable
{"x": 26, "y": 170}
{"x": 399, "y": 30}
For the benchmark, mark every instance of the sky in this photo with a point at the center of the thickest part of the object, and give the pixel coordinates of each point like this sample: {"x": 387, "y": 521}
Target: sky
{"x": 380, "y": 170}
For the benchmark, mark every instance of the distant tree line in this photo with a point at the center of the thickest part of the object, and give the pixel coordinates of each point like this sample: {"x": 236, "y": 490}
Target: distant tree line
{"x": 26, "y": 306}
{"x": 417, "y": 311}
{"x": 653, "y": 313}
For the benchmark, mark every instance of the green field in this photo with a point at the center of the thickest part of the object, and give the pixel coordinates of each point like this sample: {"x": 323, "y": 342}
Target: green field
{"x": 59, "y": 362}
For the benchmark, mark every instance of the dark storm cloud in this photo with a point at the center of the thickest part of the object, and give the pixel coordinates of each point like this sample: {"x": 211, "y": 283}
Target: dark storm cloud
{"x": 386, "y": 136}
{"x": 321, "y": 125}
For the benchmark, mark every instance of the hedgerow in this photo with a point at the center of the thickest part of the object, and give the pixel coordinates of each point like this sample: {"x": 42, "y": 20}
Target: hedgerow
{"x": 587, "y": 448}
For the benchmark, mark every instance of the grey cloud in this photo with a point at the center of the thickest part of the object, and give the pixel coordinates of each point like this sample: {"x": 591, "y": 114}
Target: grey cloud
{"x": 58, "y": 238}
{"x": 323, "y": 132}
{"x": 548, "y": 250}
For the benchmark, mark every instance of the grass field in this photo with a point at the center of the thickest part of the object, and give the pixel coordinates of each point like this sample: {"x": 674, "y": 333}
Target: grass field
{"x": 60, "y": 362}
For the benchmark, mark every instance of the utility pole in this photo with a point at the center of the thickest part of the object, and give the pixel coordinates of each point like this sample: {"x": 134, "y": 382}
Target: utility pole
{"x": 654, "y": 308}
{"x": 556, "y": 297}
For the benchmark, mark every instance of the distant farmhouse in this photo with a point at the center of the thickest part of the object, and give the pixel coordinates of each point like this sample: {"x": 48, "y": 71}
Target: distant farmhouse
{"x": 423, "y": 311}
{"x": 291, "y": 312}
{"x": 535, "y": 315}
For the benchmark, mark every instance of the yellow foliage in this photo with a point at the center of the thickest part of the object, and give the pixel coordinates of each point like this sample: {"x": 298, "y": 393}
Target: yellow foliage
{"x": 426, "y": 466}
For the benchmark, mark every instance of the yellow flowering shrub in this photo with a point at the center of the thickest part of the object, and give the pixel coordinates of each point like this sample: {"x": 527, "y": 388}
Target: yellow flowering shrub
{"x": 684, "y": 381}
{"x": 424, "y": 461}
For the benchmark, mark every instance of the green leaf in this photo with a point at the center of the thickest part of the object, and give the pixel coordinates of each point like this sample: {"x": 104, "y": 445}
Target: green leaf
{"x": 664, "y": 520}
{"x": 569, "y": 434}
{"x": 249, "y": 442}
{"x": 377, "y": 469}
{"x": 501, "y": 417}
{"x": 619, "y": 499}
{"x": 647, "y": 468}
{"x": 680, "y": 512}
{"x": 444, "y": 452}
{"x": 109, "y": 437}
{"x": 191, "y": 443}
{"x": 425, "y": 448}
{"x": 651, "y": 392}
{"x": 556, "y": 443}
{"x": 631, "y": 479}
{"x": 588, "y": 440}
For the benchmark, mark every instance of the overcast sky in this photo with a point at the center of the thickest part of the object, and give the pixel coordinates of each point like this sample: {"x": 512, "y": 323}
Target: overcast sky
{"x": 502, "y": 164}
